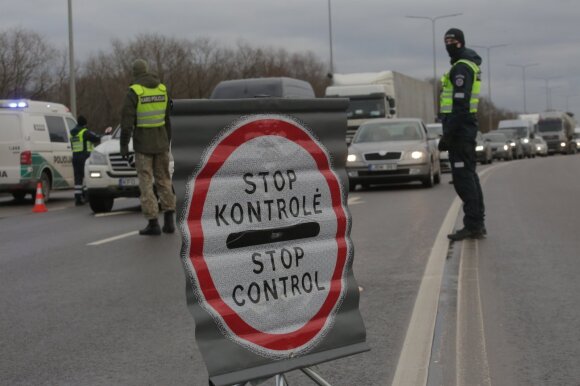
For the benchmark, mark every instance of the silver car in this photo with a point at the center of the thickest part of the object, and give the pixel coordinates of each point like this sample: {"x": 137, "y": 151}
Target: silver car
{"x": 393, "y": 150}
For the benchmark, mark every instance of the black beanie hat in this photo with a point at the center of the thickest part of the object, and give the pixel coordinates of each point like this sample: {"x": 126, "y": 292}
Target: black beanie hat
{"x": 81, "y": 120}
{"x": 457, "y": 34}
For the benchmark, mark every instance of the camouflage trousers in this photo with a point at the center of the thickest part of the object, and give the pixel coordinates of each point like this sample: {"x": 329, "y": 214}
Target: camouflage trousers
{"x": 153, "y": 169}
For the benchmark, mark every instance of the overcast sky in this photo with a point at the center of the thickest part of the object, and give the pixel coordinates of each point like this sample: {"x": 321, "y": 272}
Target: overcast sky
{"x": 367, "y": 35}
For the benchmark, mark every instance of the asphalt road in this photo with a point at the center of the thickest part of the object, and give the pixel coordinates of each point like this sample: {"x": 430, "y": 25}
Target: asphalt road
{"x": 85, "y": 300}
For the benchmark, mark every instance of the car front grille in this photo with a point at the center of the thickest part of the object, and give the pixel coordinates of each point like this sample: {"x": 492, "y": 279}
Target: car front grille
{"x": 121, "y": 165}
{"x": 380, "y": 157}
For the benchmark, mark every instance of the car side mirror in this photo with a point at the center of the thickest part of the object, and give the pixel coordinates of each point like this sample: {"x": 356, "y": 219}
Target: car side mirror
{"x": 433, "y": 136}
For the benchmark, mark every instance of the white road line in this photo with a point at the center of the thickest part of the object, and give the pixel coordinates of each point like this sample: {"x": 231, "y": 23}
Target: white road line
{"x": 413, "y": 365}
{"x": 471, "y": 363}
{"x": 112, "y": 213}
{"x": 354, "y": 200}
{"x": 108, "y": 240}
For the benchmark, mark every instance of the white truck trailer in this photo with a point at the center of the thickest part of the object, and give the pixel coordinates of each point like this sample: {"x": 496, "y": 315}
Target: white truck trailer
{"x": 385, "y": 94}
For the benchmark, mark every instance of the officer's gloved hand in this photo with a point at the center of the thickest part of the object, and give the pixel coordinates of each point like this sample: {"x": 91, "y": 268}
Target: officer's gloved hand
{"x": 125, "y": 151}
{"x": 443, "y": 144}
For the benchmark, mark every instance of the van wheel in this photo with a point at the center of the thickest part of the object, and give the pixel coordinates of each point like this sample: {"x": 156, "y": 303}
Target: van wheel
{"x": 101, "y": 204}
{"x": 45, "y": 181}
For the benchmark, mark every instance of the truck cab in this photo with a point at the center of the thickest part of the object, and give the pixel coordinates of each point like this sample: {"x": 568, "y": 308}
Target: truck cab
{"x": 365, "y": 102}
{"x": 557, "y": 129}
{"x": 384, "y": 94}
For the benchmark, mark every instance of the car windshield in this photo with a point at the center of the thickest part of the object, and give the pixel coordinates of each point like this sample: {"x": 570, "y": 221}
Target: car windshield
{"x": 510, "y": 133}
{"x": 117, "y": 133}
{"x": 495, "y": 137}
{"x": 388, "y": 131}
{"x": 366, "y": 108}
{"x": 519, "y": 131}
{"x": 546, "y": 125}
{"x": 435, "y": 129}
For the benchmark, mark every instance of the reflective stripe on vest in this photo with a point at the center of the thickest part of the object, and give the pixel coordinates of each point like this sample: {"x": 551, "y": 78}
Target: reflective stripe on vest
{"x": 78, "y": 142}
{"x": 446, "y": 103}
{"x": 151, "y": 105}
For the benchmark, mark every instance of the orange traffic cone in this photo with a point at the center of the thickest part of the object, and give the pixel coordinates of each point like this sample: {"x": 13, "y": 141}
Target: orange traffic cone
{"x": 39, "y": 206}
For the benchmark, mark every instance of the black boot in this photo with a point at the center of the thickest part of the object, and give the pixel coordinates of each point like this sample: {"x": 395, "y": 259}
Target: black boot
{"x": 79, "y": 200}
{"x": 152, "y": 228}
{"x": 169, "y": 223}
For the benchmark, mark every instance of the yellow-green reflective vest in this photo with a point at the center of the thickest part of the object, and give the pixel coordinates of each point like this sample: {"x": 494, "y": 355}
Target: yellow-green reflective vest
{"x": 78, "y": 142}
{"x": 151, "y": 105}
{"x": 446, "y": 103}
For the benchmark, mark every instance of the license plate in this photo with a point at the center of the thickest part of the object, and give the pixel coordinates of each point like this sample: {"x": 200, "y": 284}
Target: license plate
{"x": 383, "y": 167}
{"x": 128, "y": 181}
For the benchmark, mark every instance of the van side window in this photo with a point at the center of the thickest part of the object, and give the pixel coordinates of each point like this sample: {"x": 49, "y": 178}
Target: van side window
{"x": 56, "y": 129}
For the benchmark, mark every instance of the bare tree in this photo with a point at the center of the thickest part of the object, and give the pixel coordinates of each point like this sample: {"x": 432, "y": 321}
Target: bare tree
{"x": 29, "y": 66}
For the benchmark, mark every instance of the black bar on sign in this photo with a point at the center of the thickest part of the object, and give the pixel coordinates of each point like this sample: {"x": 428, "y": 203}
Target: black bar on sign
{"x": 273, "y": 235}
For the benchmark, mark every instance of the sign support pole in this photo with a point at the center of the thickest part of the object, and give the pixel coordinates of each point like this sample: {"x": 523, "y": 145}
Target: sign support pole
{"x": 313, "y": 375}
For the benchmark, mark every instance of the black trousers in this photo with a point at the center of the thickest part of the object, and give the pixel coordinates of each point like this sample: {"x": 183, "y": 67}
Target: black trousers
{"x": 79, "y": 173}
{"x": 466, "y": 182}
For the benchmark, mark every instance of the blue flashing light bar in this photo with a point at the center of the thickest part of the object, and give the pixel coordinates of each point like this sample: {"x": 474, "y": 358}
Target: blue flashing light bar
{"x": 16, "y": 104}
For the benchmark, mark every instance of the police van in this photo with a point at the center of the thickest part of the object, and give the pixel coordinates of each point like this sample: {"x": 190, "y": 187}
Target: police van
{"x": 35, "y": 147}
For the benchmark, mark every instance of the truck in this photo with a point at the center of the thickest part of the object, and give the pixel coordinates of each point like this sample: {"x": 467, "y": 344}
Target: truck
{"x": 557, "y": 129}
{"x": 385, "y": 94}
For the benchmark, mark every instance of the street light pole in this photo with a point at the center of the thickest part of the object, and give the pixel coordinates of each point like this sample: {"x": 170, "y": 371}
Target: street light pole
{"x": 73, "y": 97}
{"x": 433, "y": 20}
{"x": 330, "y": 37}
{"x": 549, "y": 91}
{"x": 488, "y": 48}
{"x": 523, "y": 67}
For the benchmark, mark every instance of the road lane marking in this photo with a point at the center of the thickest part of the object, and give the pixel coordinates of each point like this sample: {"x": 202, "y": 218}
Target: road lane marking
{"x": 471, "y": 363}
{"x": 413, "y": 365}
{"x": 114, "y": 238}
{"x": 354, "y": 200}
{"x": 112, "y": 213}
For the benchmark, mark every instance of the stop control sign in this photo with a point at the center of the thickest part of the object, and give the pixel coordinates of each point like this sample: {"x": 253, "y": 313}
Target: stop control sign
{"x": 266, "y": 233}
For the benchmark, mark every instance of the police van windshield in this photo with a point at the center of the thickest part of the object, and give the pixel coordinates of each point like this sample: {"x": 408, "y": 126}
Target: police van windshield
{"x": 366, "y": 108}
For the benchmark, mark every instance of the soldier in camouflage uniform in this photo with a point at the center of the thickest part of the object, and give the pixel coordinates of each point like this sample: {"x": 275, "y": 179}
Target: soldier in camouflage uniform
{"x": 145, "y": 117}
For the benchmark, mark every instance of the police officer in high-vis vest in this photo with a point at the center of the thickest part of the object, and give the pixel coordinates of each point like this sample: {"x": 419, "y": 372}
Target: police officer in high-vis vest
{"x": 82, "y": 143}
{"x": 145, "y": 118}
{"x": 458, "y": 112}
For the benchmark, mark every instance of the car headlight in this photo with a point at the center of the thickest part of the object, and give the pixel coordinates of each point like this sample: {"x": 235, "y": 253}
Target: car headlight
{"x": 512, "y": 144}
{"x": 479, "y": 148}
{"x": 416, "y": 155}
{"x": 351, "y": 158}
{"x": 538, "y": 148}
{"x": 525, "y": 140}
{"x": 563, "y": 144}
{"x": 505, "y": 147}
{"x": 97, "y": 158}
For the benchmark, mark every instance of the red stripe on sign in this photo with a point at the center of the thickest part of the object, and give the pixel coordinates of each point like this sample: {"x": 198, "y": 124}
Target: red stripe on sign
{"x": 220, "y": 154}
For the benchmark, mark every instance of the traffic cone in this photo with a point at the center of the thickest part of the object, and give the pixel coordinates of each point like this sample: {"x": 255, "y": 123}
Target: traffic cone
{"x": 39, "y": 206}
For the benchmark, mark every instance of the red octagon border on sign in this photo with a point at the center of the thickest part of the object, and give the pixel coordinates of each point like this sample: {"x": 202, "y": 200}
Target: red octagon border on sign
{"x": 221, "y": 152}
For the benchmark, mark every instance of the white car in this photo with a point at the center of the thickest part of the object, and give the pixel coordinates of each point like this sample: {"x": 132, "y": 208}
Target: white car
{"x": 109, "y": 176}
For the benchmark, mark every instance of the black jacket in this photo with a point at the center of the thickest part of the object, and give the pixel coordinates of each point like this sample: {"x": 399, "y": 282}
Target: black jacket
{"x": 461, "y": 125}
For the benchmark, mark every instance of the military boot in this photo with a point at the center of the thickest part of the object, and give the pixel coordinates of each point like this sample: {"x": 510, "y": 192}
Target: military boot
{"x": 152, "y": 228}
{"x": 169, "y": 222}
{"x": 466, "y": 234}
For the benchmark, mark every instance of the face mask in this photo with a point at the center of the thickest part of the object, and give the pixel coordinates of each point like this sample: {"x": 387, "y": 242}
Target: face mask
{"x": 452, "y": 49}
